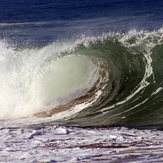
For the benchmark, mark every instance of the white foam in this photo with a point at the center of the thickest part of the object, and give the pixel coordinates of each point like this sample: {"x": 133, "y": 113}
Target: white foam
{"x": 61, "y": 144}
{"x": 34, "y": 80}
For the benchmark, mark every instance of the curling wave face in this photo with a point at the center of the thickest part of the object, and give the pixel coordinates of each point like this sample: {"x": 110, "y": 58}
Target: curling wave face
{"x": 113, "y": 79}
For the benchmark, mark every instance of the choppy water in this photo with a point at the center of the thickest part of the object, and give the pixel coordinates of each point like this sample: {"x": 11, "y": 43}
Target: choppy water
{"x": 83, "y": 64}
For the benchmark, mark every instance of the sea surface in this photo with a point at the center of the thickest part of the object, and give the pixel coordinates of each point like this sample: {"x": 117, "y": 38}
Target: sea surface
{"x": 81, "y": 81}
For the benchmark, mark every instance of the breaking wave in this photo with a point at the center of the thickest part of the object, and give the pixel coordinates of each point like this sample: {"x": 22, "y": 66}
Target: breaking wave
{"x": 112, "y": 79}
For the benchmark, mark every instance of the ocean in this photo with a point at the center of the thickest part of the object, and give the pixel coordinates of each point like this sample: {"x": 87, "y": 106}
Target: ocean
{"x": 81, "y": 81}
